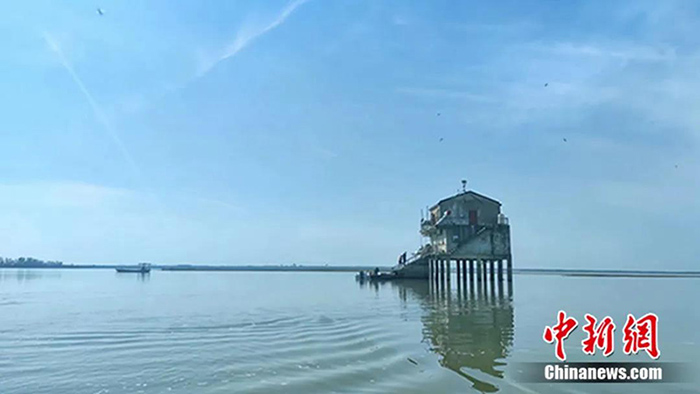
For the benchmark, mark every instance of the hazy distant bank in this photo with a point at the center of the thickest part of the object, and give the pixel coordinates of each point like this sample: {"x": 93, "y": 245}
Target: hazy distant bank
{"x": 259, "y": 268}
{"x": 608, "y": 273}
{"x": 256, "y": 268}
{"x": 357, "y": 268}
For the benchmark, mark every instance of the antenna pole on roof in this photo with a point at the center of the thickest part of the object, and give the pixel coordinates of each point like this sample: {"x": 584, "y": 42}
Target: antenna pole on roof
{"x": 464, "y": 185}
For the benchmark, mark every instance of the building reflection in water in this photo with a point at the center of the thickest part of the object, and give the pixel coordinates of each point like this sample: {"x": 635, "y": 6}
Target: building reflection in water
{"x": 471, "y": 330}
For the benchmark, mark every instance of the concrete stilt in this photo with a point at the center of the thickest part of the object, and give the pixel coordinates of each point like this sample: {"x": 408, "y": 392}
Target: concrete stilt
{"x": 500, "y": 270}
{"x": 510, "y": 289}
{"x": 480, "y": 285}
{"x": 459, "y": 271}
{"x": 486, "y": 273}
{"x": 433, "y": 262}
{"x": 436, "y": 271}
{"x": 459, "y": 290}
{"x": 471, "y": 287}
{"x": 442, "y": 270}
{"x": 436, "y": 268}
{"x": 446, "y": 279}
{"x": 500, "y": 290}
{"x": 464, "y": 272}
{"x": 471, "y": 271}
{"x": 509, "y": 269}
{"x": 448, "y": 270}
{"x": 479, "y": 271}
{"x": 492, "y": 271}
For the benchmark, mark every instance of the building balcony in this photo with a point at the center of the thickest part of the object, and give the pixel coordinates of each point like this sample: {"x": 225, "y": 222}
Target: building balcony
{"x": 427, "y": 228}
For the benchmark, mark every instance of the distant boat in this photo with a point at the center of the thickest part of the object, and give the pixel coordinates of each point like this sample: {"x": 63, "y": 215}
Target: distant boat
{"x": 375, "y": 276}
{"x": 142, "y": 268}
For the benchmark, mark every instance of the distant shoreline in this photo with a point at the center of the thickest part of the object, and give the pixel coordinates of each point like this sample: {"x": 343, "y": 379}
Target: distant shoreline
{"x": 608, "y": 273}
{"x": 312, "y": 268}
{"x": 249, "y": 268}
{"x": 268, "y": 268}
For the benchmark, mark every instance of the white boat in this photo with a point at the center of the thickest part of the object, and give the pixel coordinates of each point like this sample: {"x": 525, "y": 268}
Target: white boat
{"x": 142, "y": 268}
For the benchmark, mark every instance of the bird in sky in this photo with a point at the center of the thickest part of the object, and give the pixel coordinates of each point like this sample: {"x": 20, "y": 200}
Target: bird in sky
{"x": 546, "y": 84}
{"x": 100, "y": 11}
{"x": 441, "y": 139}
{"x": 565, "y": 140}
{"x": 438, "y": 114}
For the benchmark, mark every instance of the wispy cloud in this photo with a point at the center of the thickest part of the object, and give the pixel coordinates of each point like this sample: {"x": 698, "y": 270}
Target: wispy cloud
{"x": 619, "y": 51}
{"x": 325, "y": 152}
{"x": 64, "y": 195}
{"x": 437, "y": 93}
{"x": 399, "y": 20}
{"x": 650, "y": 199}
{"x": 208, "y": 60}
{"x": 246, "y": 35}
{"x": 518, "y": 27}
{"x": 96, "y": 109}
{"x": 222, "y": 204}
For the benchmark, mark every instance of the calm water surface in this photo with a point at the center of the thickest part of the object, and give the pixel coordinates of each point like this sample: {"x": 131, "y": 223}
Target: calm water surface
{"x": 96, "y": 331}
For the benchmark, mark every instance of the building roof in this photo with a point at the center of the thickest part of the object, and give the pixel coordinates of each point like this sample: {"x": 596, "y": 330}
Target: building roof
{"x": 470, "y": 192}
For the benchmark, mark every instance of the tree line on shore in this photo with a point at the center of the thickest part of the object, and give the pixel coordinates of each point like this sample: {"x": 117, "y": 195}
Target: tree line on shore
{"x": 28, "y": 262}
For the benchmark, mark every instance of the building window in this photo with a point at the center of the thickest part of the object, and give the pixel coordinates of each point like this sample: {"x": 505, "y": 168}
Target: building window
{"x": 473, "y": 217}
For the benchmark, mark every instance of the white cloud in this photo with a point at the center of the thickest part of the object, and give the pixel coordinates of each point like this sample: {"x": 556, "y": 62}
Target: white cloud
{"x": 96, "y": 108}
{"x": 245, "y": 36}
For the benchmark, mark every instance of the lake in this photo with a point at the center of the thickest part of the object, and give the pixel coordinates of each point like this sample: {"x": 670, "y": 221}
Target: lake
{"x": 96, "y": 331}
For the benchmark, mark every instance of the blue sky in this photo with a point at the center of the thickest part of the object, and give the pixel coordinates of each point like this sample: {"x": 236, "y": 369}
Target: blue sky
{"x": 222, "y": 132}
